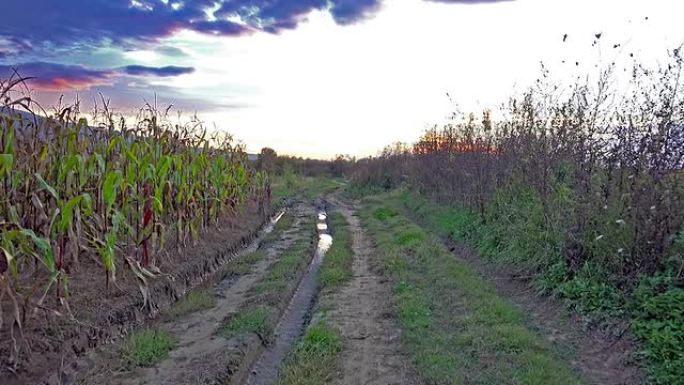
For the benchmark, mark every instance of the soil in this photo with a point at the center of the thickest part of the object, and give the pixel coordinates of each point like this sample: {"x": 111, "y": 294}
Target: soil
{"x": 203, "y": 356}
{"x": 96, "y": 317}
{"x": 362, "y": 312}
{"x": 602, "y": 358}
{"x": 295, "y": 316}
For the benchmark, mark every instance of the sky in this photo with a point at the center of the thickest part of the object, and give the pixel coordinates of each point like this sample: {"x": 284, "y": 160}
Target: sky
{"x": 317, "y": 78}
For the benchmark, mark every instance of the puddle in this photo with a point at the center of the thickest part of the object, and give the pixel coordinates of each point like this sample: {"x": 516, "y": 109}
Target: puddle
{"x": 293, "y": 321}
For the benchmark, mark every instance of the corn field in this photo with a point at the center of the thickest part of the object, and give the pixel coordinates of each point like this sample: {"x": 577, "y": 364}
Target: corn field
{"x": 73, "y": 192}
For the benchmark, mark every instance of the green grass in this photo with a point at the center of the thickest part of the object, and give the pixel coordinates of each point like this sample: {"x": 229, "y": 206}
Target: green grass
{"x": 337, "y": 265}
{"x": 281, "y": 274}
{"x": 515, "y": 235}
{"x": 146, "y": 347}
{"x": 456, "y": 328}
{"x": 249, "y": 320}
{"x": 195, "y": 300}
{"x": 244, "y": 264}
{"x": 292, "y": 184}
{"x": 272, "y": 290}
{"x": 315, "y": 359}
{"x": 384, "y": 213}
{"x": 284, "y": 223}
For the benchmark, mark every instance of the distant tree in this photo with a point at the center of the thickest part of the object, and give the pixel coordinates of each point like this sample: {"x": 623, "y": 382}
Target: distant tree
{"x": 267, "y": 159}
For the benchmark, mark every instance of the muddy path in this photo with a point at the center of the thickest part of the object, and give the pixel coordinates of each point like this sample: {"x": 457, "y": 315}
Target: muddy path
{"x": 203, "y": 355}
{"x": 362, "y": 312}
{"x": 296, "y": 315}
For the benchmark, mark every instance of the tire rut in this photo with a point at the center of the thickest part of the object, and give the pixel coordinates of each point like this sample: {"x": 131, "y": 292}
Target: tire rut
{"x": 362, "y": 312}
{"x": 202, "y": 352}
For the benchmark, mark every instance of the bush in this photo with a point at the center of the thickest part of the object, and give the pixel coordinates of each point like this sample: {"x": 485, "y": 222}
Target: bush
{"x": 658, "y": 321}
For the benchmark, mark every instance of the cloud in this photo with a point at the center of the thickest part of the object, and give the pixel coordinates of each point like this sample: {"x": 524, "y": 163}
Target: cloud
{"x": 55, "y": 76}
{"x": 170, "y": 51}
{"x": 49, "y": 25}
{"x": 157, "y": 71}
{"x": 51, "y": 76}
{"x": 87, "y": 23}
{"x": 350, "y": 11}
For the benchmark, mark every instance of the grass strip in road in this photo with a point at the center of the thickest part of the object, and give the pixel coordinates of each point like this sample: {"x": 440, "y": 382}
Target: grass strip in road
{"x": 147, "y": 347}
{"x": 195, "y": 300}
{"x": 273, "y": 290}
{"x": 315, "y": 358}
{"x": 455, "y": 327}
{"x": 283, "y": 274}
{"x": 284, "y": 223}
{"x": 250, "y": 320}
{"x": 337, "y": 265}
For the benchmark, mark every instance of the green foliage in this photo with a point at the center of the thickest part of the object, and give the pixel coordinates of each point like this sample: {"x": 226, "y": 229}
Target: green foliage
{"x": 659, "y": 322}
{"x": 513, "y": 233}
{"x": 592, "y": 297}
{"x": 384, "y": 213}
{"x": 147, "y": 346}
{"x": 113, "y": 192}
{"x": 408, "y": 238}
{"x": 249, "y": 320}
{"x": 315, "y": 359}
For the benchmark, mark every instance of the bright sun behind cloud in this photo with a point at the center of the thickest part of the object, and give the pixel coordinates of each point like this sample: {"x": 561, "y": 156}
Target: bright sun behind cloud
{"x": 323, "y": 85}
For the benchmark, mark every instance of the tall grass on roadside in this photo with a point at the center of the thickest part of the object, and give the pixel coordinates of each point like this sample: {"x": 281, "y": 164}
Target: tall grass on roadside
{"x": 455, "y": 328}
{"x": 580, "y": 185}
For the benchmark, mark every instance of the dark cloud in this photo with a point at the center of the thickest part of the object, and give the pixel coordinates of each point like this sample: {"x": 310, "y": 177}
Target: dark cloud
{"x": 51, "y": 76}
{"x": 157, "y": 71}
{"x": 81, "y": 24}
{"x": 54, "y": 76}
{"x": 349, "y": 11}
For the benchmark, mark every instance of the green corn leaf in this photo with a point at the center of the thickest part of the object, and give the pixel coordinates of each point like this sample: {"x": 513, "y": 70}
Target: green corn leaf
{"x": 67, "y": 216}
{"x": 113, "y": 143}
{"x": 43, "y": 185}
{"x": 86, "y": 204}
{"x": 110, "y": 187}
{"x": 46, "y": 256}
{"x": 6, "y": 163}
{"x": 9, "y": 139}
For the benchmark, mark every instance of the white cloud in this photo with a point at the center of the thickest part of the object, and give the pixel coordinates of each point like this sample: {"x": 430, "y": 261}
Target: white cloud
{"x": 324, "y": 89}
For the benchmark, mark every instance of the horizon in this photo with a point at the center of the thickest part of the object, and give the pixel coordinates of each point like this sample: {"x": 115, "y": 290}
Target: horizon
{"x": 313, "y": 78}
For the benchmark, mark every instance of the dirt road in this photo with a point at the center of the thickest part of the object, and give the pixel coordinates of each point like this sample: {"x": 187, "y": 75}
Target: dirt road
{"x": 361, "y": 311}
{"x": 202, "y": 354}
